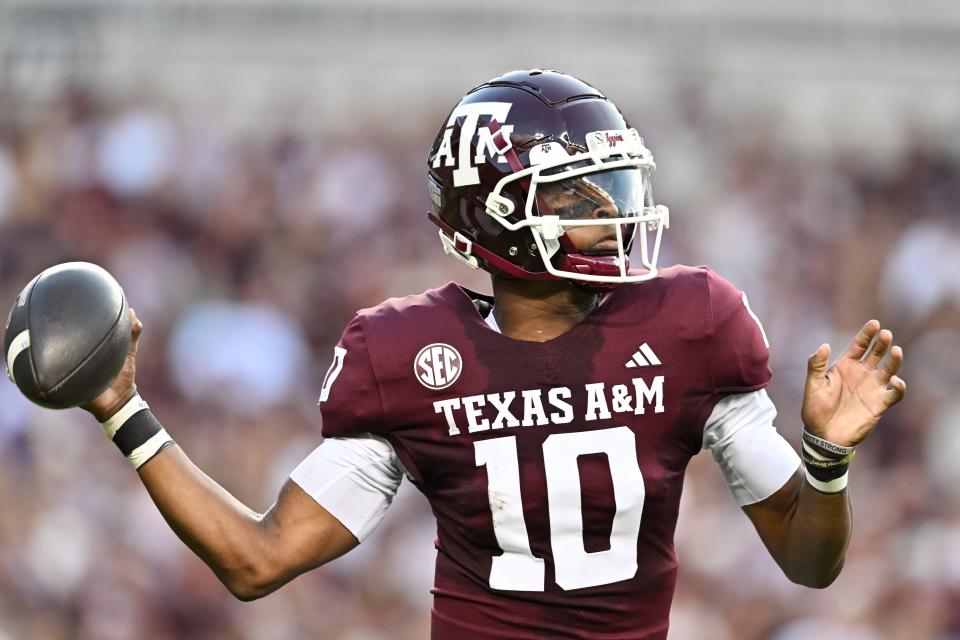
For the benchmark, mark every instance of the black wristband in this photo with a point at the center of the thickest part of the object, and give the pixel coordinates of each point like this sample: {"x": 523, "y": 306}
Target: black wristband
{"x": 137, "y": 432}
{"x": 826, "y": 474}
{"x": 138, "y": 428}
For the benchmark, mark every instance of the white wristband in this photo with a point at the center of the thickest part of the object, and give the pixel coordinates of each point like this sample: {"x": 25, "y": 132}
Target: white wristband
{"x": 832, "y": 486}
{"x": 112, "y": 424}
{"x": 149, "y": 448}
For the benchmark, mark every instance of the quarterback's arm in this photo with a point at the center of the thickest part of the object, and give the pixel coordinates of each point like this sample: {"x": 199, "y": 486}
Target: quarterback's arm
{"x": 253, "y": 554}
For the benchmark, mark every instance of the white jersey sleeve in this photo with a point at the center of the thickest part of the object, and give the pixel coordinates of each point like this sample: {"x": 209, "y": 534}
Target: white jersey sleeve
{"x": 355, "y": 479}
{"x": 755, "y": 460}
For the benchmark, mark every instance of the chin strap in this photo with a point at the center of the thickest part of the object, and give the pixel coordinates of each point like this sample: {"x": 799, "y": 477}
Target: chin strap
{"x": 573, "y": 261}
{"x": 591, "y": 265}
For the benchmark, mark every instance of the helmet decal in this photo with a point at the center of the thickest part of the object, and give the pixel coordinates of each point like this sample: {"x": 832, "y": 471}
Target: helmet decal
{"x": 465, "y": 173}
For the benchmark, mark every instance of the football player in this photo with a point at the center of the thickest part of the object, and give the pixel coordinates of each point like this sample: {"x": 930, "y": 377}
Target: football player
{"x": 549, "y": 425}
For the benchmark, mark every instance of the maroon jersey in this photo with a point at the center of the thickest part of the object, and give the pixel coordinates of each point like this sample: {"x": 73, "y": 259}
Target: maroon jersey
{"x": 554, "y": 469}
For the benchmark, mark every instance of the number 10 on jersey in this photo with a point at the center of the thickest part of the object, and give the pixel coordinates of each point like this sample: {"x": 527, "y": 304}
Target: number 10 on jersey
{"x": 517, "y": 569}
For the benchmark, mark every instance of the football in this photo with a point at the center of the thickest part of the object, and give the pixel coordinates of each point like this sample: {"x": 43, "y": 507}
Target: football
{"x": 67, "y": 335}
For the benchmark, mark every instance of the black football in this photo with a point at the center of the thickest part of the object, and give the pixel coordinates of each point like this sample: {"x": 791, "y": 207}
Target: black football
{"x": 67, "y": 335}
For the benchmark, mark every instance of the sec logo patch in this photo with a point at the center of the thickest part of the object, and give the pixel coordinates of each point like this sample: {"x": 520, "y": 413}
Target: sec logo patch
{"x": 437, "y": 366}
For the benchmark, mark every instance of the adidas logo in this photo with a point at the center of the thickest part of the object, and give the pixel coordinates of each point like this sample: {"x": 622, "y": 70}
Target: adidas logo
{"x": 644, "y": 357}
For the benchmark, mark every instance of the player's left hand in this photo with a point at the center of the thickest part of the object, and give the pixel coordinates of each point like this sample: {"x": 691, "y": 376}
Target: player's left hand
{"x": 124, "y": 385}
{"x": 843, "y": 402}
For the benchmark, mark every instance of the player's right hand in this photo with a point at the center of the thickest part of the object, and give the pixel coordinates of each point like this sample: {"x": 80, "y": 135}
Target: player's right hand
{"x": 124, "y": 385}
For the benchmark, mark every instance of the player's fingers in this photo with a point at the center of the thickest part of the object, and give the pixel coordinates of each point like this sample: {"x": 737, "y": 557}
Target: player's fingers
{"x": 817, "y": 363}
{"x": 896, "y": 392}
{"x": 891, "y": 365}
{"x": 135, "y": 322}
{"x": 862, "y": 340}
{"x": 136, "y": 330}
{"x": 880, "y": 347}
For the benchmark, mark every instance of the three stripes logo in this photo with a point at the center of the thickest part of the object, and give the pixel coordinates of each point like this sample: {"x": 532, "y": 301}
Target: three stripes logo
{"x": 643, "y": 357}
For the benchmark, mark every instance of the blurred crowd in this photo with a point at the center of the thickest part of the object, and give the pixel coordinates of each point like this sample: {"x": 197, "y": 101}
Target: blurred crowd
{"x": 246, "y": 253}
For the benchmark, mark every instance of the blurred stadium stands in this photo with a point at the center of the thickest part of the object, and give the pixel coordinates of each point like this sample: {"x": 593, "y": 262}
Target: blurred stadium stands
{"x": 263, "y": 162}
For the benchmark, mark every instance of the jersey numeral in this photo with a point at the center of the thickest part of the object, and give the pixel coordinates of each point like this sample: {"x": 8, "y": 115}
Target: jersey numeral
{"x": 335, "y": 368}
{"x": 517, "y": 569}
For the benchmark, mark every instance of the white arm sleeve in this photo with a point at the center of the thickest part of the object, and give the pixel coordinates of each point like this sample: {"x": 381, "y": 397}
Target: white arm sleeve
{"x": 755, "y": 460}
{"x": 355, "y": 479}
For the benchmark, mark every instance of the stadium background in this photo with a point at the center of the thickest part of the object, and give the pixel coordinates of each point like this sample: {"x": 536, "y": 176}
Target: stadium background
{"x": 253, "y": 172}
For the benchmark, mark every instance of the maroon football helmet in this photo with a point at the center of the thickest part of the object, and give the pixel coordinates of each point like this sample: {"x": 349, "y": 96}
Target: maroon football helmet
{"x": 530, "y": 154}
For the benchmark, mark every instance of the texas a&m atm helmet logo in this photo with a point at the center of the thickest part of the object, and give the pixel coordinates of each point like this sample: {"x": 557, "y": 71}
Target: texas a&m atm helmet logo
{"x": 465, "y": 172}
{"x": 437, "y": 366}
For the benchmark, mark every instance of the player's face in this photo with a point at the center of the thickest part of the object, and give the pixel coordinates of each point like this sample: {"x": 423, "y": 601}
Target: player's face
{"x": 597, "y": 196}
